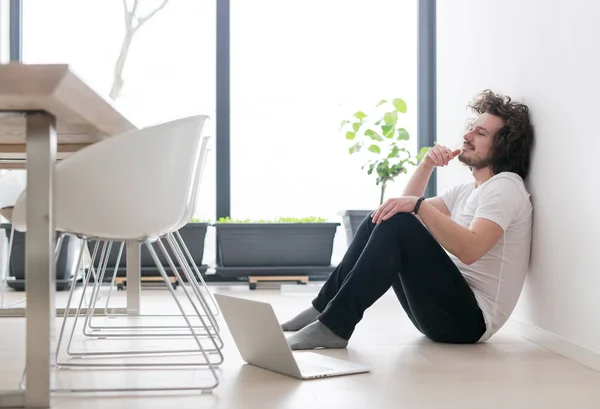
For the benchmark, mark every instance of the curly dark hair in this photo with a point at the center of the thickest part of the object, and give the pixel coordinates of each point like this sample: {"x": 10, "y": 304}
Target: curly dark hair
{"x": 512, "y": 145}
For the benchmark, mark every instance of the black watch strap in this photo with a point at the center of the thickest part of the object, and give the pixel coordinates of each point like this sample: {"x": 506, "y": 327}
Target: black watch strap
{"x": 418, "y": 204}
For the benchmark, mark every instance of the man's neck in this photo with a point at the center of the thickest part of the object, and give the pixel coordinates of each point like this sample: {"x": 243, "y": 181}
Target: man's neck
{"x": 481, "y": 176}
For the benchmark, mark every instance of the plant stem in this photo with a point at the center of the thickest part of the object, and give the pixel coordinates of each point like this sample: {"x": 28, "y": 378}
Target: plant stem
{"x": 382, "y": 192}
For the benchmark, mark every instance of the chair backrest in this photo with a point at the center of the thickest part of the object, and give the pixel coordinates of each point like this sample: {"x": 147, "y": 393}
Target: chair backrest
{"x": 191, "y": 209}
{"x": 135, "y": 185}
{"x": 11, "y": 186}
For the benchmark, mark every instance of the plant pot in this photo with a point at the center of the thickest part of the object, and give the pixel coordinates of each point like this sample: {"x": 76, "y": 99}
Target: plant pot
{"x": 352, "y": 219}
{"x": 66, "y": 264}
{"x": 302, "y": 246}
{"x": 193, "y": 235}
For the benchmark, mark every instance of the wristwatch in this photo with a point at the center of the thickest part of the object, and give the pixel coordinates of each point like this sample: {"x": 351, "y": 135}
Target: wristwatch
{"x": 418, "y": 204}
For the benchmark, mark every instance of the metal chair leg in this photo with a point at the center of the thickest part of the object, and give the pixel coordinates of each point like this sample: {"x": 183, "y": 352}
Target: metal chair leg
{"x": 73, "y": 353}
{"x": 71, "y": 291}
{"x": 105, "y": 331}
{"x": 91, "y": 273}
{"x": 215, "y": 307}
{"x": 207, "y": 361}
{"x": 114, "y": 277}
{"x": 176, "y": 272}
{"x": 193, "y": 284}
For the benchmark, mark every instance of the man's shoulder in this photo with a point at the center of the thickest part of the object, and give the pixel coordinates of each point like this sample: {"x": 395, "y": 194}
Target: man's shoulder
{"x": 508, "y": 181}
{"x": 508, "y": 188}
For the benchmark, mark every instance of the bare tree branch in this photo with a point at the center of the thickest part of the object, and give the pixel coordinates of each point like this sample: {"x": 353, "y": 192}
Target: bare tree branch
{"x": 118, "y": 82}
{"x": 142, "y": 20}
{"x": 126, "y": 14}
{"x": 130, "y": 29}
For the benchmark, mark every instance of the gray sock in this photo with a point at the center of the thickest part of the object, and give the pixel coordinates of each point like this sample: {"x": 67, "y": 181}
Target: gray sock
{"x": 301, "y": 320}
{"x": 315, "y": 335}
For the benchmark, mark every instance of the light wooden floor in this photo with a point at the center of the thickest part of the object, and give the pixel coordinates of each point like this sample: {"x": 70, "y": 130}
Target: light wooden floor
{"x": 408, "y": 371}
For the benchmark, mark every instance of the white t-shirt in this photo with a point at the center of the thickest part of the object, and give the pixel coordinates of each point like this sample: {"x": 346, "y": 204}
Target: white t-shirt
{"x": 497, "y": 278}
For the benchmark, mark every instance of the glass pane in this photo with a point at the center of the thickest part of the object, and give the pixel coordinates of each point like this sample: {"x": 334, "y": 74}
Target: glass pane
{"x": 169, "y": 71}
{"x": 298, "y": 69}
{"x": 4, "y": 31}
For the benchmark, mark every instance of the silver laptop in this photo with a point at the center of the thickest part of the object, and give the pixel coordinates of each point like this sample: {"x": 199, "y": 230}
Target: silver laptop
{"x": 261, "y": 342}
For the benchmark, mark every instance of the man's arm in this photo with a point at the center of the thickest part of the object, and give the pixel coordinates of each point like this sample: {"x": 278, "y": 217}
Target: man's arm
{"x": 418, "y": 181}
{"x": 438, "y": 156}
{"x": 468, "y": 244}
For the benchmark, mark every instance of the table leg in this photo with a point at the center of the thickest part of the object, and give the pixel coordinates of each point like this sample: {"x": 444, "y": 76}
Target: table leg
{"x": 39, "y": 261}
{"x": 133, "y": 278}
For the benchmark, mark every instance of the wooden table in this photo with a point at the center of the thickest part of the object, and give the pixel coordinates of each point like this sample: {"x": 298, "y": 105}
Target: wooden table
{"x": 47, "y": 113}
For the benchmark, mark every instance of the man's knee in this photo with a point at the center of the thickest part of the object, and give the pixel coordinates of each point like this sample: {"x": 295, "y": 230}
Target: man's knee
{"x": 398, "y": 222}
{"x": 401, "y": 218}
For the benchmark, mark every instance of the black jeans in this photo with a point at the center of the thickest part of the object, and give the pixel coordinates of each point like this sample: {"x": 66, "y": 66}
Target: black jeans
{"x": 401, "y": 253}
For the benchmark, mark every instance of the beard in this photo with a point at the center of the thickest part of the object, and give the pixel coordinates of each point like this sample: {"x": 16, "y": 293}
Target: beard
{"x": 475, "y": 162}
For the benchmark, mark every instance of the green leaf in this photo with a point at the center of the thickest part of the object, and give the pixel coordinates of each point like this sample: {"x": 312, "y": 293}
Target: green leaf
{"x": 400, "y": 105}
{"x": 344, "y": 123}
{"x": 375, "y": 149}
{"x": 383, "y": 101}
{"x": 356, "y": 126}
{"x": 371, "y": 168}
{"x": 354, "y": 148}
{"x": 403, "y": 135}
{"x": 391, "y": 118}
{"x": 393, "y": 153}
{"x": 388, "y": 131}
{"x": 350, "y": 135}
{"x": 422, "y": 152}
{"x": 373, "y": 135}
{"x": 383, "y": 170}
{"x": 360, "y": 115}
{"x": 378, "y": 122}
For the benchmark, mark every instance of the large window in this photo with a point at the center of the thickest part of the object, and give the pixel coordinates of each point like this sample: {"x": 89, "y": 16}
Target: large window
{"x": 169, "y": 71}
{"x": 4, "y": 31}
{"x": 299, "y": 67}
{"x": 170, "y": 67}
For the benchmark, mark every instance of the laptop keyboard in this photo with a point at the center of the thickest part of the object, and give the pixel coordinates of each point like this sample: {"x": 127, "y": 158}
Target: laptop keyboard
{"x": 309, "y": 368}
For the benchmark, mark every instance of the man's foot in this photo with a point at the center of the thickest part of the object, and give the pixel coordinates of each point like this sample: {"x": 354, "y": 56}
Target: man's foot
{"x": 301, "y": 320}
{"x": 316, "y": 335}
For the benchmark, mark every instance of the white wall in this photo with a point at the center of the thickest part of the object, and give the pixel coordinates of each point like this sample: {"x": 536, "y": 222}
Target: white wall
{"x": 547, "y": 55}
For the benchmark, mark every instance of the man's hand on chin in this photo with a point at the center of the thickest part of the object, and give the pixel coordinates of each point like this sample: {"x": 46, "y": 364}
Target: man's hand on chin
{"x": 390, "y": 207}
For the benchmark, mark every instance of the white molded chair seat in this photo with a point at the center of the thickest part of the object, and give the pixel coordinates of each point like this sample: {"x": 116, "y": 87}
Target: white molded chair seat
{"x": 131, "y": 186}
{"x": 141, "y": 185}
{"x": 12, "y": 186}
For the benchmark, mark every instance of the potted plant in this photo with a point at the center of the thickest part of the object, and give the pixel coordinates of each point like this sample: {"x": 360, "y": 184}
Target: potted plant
{"x": 282, "y": 246}
{"x": 66, "y": 264}
{"x": 381, "y": 139}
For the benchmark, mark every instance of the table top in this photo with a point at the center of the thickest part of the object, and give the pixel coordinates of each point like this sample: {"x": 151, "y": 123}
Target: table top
{"x": 83, "y": 116}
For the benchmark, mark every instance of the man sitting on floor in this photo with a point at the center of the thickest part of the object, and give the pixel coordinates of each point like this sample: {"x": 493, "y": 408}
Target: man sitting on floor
{"x": 456, "y": 262}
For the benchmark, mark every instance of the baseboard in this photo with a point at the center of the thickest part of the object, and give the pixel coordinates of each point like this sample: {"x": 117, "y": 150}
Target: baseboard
{"x": 556, "y": 343}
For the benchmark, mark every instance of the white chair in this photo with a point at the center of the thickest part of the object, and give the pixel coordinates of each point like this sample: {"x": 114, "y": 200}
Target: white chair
{"x": 183, "y": 256}
{"x": 11, "y": 187}
{"x": 185, "y": 260}
{"x": 139, "y": 186}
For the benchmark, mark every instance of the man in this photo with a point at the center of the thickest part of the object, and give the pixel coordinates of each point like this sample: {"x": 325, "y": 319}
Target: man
{"x": 456, "y": 262}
